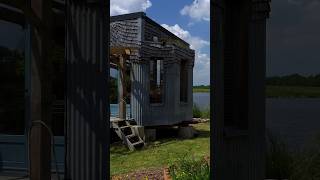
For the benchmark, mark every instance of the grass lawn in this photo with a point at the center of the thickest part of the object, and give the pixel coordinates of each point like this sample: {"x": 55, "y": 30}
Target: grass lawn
{"x": 160, "y": 153}
{"x": 197, "y": 90}
{"x": 292, "y": 92}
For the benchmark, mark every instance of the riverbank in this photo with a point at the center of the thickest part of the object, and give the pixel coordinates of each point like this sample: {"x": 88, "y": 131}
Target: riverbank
{"x": 292, "y": 92}
{"x": 279, "y": 91}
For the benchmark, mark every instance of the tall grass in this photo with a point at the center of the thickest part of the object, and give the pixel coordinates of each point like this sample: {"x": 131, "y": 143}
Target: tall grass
{"x": 279, "y": 160}
{"x": 189, "y": 168}
{"x": 299, "y": 165}
{"x": 198, "y": 113}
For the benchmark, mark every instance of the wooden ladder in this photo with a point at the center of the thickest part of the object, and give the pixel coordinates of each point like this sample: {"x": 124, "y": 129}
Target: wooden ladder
{"x": 126, "y": 133}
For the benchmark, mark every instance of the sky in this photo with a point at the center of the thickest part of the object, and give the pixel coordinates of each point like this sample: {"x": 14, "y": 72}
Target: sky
{"x": 293, "y": 32}
{"x": 293, "y": 37}
{"x": 188, "y": 19}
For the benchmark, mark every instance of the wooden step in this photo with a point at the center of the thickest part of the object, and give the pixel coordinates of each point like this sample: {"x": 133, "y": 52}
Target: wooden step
{"x": 136, "y": 143}
{"x": 130, "y": 136}
{"x": 125, "y": 132}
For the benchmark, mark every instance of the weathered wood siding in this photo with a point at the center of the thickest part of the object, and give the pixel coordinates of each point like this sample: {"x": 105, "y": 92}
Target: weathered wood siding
{"x": 87, "y": 107}
{"x": 125, "y": 33}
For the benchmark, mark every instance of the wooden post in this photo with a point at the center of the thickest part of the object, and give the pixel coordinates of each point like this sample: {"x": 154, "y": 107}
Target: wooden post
{"x": 40, "y": 141}
{"x": 122, "y": 87}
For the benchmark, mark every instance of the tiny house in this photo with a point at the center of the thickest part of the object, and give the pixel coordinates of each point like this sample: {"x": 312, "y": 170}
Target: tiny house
{"x": 160, "y": 66}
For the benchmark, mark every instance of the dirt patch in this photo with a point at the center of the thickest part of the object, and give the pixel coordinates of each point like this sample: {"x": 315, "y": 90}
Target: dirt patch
{"x": 154, "y": 174}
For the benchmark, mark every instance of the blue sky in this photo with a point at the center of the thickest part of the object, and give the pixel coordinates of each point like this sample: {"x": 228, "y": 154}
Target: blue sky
{"x": 188, "y": 19}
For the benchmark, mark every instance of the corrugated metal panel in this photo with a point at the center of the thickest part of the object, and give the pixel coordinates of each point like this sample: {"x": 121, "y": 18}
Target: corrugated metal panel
{"x": 87, "y": 107}
{"x": 238, "y": 156}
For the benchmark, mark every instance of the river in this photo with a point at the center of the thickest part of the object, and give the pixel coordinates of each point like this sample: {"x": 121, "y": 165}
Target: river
{"x": 295, "y": 121}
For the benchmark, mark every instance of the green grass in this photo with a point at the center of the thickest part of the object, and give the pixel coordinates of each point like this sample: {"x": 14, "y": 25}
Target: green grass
{"x": 160, "y": 153}
{"x": 292, "y": 92}
{"x": 201, "y": 90}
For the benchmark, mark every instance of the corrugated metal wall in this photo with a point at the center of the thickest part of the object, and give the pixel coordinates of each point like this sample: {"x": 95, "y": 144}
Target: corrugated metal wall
{"x": 139, "y": 91}
{"x": 87, "y": 107}
{"x": 238, "y": 154}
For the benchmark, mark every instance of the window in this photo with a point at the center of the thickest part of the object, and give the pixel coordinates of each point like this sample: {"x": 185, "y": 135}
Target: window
{"x": 12, "y": 89}
{"x": 156, "y": 81}
{"x": 183, "y": 81}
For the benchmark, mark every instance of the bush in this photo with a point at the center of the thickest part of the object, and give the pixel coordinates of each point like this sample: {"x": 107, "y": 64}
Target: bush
{"x": 188, "y": 168}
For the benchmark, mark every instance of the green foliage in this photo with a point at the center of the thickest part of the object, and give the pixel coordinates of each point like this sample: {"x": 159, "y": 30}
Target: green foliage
{"x": 307, "y": 164}
{"x": 205, "y": 113}
{"x": 283, "y": 164}
{"x": 196, "y": 111}
{"x": 201, "y": 88}
{"x": 190, "y": 168}
{"x": 292, "y": 92}
{"x": 279, "y": 160}
{"x": 294, "y": 80}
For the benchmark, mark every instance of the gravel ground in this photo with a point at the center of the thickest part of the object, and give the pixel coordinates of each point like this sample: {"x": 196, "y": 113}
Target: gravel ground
{"x": 154, "y": 174}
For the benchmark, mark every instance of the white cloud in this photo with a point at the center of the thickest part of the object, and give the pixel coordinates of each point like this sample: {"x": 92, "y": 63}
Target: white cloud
{"x": 196, "y": 43}
{"x": 128, "y": 6}
{"x": 198, "y": 10}
{"x": 202, "y": 60}
{"x": 201, "y": 71}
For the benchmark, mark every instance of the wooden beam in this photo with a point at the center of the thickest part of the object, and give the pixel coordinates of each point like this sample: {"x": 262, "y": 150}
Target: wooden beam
{"x": 122, "y": 88}
{"x": 40, "y": 139}
{"x": 121, "y": 50}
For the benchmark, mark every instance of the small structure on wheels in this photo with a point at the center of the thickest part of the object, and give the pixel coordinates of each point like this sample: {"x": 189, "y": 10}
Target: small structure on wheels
{"x": 161, "y": 70}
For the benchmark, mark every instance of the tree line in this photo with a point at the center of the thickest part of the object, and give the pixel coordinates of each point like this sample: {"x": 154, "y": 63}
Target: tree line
{"x": 294, "y": 80}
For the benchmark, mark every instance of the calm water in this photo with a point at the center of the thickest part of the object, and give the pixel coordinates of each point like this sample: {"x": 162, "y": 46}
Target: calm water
{"x": 202, "y": 100}
{"x": 296, "y": 121}
{"x": 114, "y": 110}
